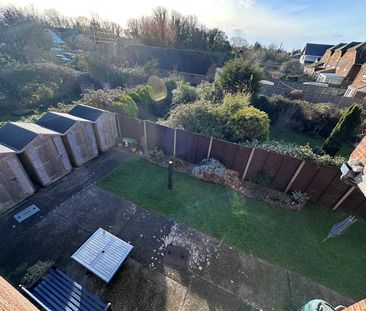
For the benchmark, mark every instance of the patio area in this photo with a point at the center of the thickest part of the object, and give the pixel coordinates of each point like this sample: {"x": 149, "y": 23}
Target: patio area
{"x": 218, "y": 276}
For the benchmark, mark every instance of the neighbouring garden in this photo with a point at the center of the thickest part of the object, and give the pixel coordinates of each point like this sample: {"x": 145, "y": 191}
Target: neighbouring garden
{"x": 291, "y": 239}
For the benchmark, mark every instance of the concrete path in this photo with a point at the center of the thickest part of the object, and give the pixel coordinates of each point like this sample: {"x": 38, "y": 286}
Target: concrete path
{"x": 218, "y": 277}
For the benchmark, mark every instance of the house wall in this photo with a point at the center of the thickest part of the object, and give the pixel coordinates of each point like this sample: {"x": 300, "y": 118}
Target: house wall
{"x": 106, "y": 132}
{"x": 334, "y": 59}
{"x": 80, "y": 143}
{"x": 45, "y": 159}
{"x": 15, "y": 185}
{"x": 360, "y": 152}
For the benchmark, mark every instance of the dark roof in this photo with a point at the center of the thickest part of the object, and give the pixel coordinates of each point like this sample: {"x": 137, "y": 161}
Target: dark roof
{"x": 86, "y": 112}
{"x": 335, "y": 47}
{"x": 58, "y": 122}
{"x": 348, "y": 46}
{"x": 316, "y": 49}
{"x": 18, "y": 135}
{"x": 189, "y": 61}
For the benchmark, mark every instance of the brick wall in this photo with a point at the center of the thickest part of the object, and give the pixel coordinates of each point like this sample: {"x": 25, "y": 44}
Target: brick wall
{"x": 360, "y": 152}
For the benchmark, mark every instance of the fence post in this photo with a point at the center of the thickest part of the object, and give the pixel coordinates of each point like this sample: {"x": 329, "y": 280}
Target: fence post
{"x": 209, "y": 148}
{"x": 248, "y": 163}
{"x": 341, "y": 200}
{"x": 175, "y": 142}
{"x": 295, "y": 176}
{"x": 145, "y": 137}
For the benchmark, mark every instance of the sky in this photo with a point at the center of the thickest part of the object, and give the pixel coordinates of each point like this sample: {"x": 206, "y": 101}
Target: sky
{"x": 291, "y": 23}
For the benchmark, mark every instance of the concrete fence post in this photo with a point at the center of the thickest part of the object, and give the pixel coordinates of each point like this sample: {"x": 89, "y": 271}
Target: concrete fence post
{"x": 175, "y": 143}
{"x": 341, "y": 200}
{"x": 248, "y": 163}
{"x": 295, "y": 176}
{"x": 209, "y": 148}
{"x": 145, "y": 137}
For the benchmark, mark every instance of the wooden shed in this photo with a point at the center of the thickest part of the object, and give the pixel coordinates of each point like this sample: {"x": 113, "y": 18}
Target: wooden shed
{"x": 77, "y": 135}
{"x": 40, "y": 150}
{"x": 104, "y": 122}
{"x": 15, "y": 185}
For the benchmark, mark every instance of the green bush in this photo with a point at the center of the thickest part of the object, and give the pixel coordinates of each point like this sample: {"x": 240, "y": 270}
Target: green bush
{"x": 210, "y": 91}
{"x": 238, "y": 75}
{"x": 184, "y": 93}
{"x": 344, "y": 130}
{"x": 234, "y": 119}
{"x": 248, "y": 123}
{"x": 128, "y": 105}
{"x": 142, "y": 98}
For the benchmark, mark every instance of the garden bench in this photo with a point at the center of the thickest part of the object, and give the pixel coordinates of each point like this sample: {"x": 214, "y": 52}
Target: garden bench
{"x": 58, "y": 292}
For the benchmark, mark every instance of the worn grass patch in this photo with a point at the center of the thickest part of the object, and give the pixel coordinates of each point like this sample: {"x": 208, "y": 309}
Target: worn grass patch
{"x": 289, "y": 239}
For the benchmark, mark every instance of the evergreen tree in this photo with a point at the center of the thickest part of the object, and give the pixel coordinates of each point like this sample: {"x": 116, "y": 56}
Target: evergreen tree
{"x": 345, "y": 127}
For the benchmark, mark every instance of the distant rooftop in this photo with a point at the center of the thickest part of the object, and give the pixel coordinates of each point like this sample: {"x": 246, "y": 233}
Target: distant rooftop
{"x": 316, "y": 49}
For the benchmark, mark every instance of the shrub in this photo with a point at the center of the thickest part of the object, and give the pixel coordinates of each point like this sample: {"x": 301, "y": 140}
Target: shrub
{"x": 248, "y": 123}
{"x": 184, "y": 93}
{"x": 199, "y": 117}
{"x": 114, "y": 97}
{"x": 344, "y": 129}
{"x": 128, "y": 105}
{"x": 210, "y": 91}
{"x": 234, "y": 119}
{"x": 142, "y": 98}
{"x": 238, "y": 75}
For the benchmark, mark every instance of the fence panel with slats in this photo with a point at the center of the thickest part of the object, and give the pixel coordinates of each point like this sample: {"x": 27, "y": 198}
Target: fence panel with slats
{"x": 322, "y": 184}
{"x": 160, "y": 136}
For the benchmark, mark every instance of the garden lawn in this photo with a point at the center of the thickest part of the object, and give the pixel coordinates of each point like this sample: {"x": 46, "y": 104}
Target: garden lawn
{"x": 289, "y": 239}
{"x": 302, "y": 139}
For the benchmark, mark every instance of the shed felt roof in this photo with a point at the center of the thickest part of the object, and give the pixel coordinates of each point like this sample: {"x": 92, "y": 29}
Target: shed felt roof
{"x": 59, "y": 122}
{"x": 18, "y": 135}
{"x": 189, "y": 61}
{"x": 316, "y": 49}
{"x": 86, "y": 112}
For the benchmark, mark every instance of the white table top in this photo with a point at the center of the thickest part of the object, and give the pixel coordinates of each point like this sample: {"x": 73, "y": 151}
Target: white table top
{"x": 102, "y": 254}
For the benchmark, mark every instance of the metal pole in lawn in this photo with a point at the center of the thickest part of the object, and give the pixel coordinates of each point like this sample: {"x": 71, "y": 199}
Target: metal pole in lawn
{"x": 170, "y": 175}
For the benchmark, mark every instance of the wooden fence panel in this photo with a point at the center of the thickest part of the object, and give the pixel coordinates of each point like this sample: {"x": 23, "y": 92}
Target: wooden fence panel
{"x": 217, "y": 149}
{"x": 191, "y": 147}
{"x": 160, "y": 136}
{"x": 272, "y": 164}
{"x": 132, "y": 128}
{"x": 305, "y": 177}
{"x": 286, "y": 171}
{"x": 256, "y": 165}
{"x": 334, "y": 192}
{"x": 361, "y": 210}
{"x": 321, "y": 180}
{"x": 229, "y": 154}
{"x": 354, "y": 200}
{"x": 241, "y": 160}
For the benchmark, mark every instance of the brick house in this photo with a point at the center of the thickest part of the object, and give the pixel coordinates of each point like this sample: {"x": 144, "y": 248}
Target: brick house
{"x": 351, "y": 62}
{"x": 344, "y": 65}
{"x": 312, "y": 69}
{"x": 358, "y": 87}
